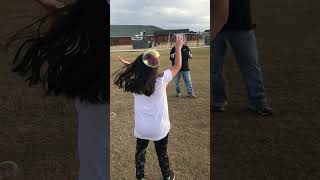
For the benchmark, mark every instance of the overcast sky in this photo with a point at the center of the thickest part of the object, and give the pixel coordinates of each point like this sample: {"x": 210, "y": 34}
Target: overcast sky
{"x": 166, "y": 14}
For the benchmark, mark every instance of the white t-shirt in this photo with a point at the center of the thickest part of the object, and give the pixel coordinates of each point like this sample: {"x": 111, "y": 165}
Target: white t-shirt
{"x": 151, "y": 113}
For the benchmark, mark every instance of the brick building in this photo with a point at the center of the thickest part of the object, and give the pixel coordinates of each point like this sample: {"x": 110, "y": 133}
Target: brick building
{"x": 121, "y": 34}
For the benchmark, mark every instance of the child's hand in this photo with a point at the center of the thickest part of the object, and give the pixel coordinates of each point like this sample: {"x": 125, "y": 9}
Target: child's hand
{"x": 180, "y": 40}
{"x": 123, "y": 61}
{"x": 120, "y": 58}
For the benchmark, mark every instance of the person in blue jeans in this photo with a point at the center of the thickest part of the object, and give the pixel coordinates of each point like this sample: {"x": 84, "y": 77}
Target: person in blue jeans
{"x": 239, "y": 32}
{"x": 184, "y": 71}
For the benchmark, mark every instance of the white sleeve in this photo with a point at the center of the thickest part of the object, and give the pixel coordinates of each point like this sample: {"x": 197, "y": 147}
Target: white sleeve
{"x": 167, "y": 76}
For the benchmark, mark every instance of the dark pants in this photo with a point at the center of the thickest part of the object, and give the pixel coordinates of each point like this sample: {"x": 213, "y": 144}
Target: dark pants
{"x": 161, "y": 148}
{"x": 93, "y": 141}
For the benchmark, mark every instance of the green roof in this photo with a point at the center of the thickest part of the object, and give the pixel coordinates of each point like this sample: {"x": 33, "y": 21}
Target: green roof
{"x": 130, "y": 30}
{"x": 168, "y": 31}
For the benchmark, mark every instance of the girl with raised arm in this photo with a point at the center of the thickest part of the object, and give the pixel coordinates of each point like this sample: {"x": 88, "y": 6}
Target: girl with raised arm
{"x": 150, "y": 104}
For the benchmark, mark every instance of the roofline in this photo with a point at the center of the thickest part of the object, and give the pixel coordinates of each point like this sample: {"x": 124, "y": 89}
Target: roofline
{"x": 126, "y": 36}
{"x": 133, "y": 25}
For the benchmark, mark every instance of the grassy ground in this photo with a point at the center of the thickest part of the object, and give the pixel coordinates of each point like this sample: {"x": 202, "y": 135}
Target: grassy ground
{"x": 39, "y": 133}
{"x": 191, "y": 44}
{"x": 286, "y": 146}
{"x": 189, "y": 136}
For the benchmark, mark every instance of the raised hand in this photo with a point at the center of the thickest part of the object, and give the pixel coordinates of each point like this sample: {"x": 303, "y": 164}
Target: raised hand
{"x": 180, "y": 40}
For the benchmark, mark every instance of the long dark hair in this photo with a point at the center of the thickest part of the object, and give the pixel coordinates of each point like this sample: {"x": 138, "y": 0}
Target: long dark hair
{"x": 71, "y": 56}
{"x": 137, "y": 78}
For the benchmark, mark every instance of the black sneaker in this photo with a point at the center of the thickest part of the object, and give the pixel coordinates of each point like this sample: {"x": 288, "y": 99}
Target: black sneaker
{"x": 139, "y": 176}
{"x": 263, "y": 109}
{"x": 220, "y": 107}
{"x": 171, "y": 177}
{"x": 178, "y": 94}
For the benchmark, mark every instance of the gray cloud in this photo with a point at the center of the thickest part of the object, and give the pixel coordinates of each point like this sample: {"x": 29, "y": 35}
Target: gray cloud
{"x": 167, "y": 14}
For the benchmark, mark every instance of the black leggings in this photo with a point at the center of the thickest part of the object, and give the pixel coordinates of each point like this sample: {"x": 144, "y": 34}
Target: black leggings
{"x": 161, "y": 148}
